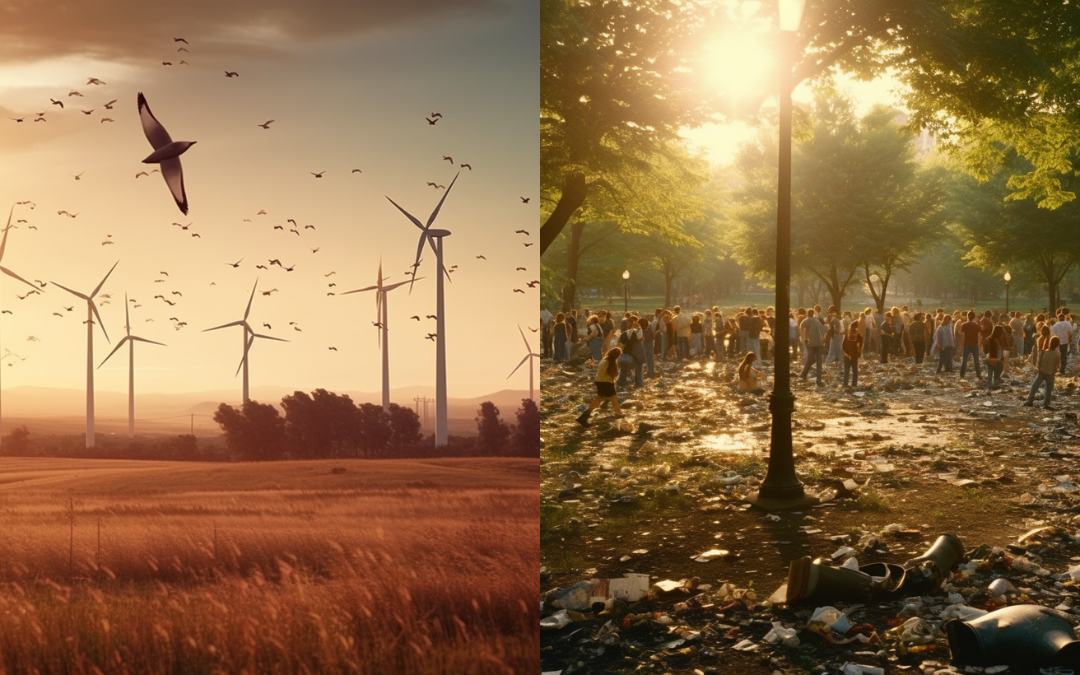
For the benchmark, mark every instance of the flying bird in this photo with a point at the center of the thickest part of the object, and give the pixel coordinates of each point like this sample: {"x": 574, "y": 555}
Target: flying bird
{"x": 448, "y": 158}
{"x": 231, "y": 73}
{"x": 266, "y": 124}
{"x": 166, "y": 153}
{"x": 261, "y": 211}
{"x": 180, "y": 39}
{"x": 525, "y": 200}
{"x": 107, "y": 119}
{"x": 524, "y": 232}
{"x": 432, "y": 121}
{"x": 196, "y": 234}
{"x": 414, "y": 317}
{"x": 269, "y": 291}
{"x": 109, "y": 105}
{"x": 55, "y": 102}
{"x": 309, "y": 227}
{"x": 78, "y": 176}
{"x": 279, "y": 227}
{"x": 356, "y": 171}
{"x": 141, "y": 173}
{"x": 268, "y": 326}
{"x": 480, "y": 257}
{"x": 436, "y": 114}
{"x": 518, "y": 290}
{"x": 17, "y": 119}
{"x": 166, "y": 63}
{"x": 466, "y": 166}
{"x": 533, "y": 284}
{"x": 235, "y": 264}
{"x": 73, "y": 93}
{"x": 431, "y": 336}
{"x": 181, "y": 49}
{"x": 331, "y": 273}
{"x": 528, "y": 244}
{"x": 261, "y": 267}
{"x": 520, "y": 269}
{"x": 316, "y": 249}
{"x": 432, "y": 316}
{"x": 333, "y": 349}
{"x": 87, "y": 112}
{"x": 317, "y": 175}
{"x": 94, "y": 80}
{"x": 183, "y": 62}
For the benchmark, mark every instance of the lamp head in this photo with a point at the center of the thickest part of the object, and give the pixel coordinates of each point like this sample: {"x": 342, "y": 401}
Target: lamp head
{"x": 626, "y": 275}
{"x": 1008, "y": 277}
{"x": 791, "y": 12}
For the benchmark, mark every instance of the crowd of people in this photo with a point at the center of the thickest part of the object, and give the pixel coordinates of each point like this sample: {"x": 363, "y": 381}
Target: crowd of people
{"x": 628, "y": 347}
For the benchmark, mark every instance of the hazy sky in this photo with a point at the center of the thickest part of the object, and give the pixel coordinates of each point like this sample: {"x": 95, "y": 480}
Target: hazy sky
{"x": 349, "y": 86}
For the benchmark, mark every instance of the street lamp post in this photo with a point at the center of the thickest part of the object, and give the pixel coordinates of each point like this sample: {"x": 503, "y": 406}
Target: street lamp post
{"x": 1008, "y": 278}
{"x": 781, "y": 488}
{"x": 625, "y": 289}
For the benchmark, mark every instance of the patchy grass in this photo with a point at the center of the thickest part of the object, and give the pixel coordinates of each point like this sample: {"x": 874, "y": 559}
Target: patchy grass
{"x": 872, "y": 500}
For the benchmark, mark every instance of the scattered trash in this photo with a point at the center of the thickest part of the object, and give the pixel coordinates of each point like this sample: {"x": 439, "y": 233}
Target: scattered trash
{"x": 710, "y": 555}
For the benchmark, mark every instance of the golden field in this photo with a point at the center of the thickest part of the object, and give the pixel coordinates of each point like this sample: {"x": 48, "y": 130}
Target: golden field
{"x": 334, "y": 566}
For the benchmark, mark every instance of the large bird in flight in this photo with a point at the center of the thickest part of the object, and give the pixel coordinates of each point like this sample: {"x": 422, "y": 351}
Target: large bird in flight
{"x": 166, "y": 153}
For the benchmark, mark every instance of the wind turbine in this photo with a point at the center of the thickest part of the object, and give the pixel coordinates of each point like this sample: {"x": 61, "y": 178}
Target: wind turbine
{"x": 130, "y": 339}
{"x": 434, "y": 238}
{"x": 3, "y": 245}
{"x": 247, "y": 341}
{"x": 381, "y": 313}
{"x": 91, "y": 312}
{"x": 528, "y": 357}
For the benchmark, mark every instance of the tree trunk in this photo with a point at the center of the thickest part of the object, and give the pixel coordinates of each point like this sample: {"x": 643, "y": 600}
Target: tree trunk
{"x": 669, "y": 279}
{"x": 573, "y": 260}
{"x": 573, "y": 196}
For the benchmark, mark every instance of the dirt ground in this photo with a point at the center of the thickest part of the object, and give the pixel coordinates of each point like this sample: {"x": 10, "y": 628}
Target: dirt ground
{"x": 935, "y": 454}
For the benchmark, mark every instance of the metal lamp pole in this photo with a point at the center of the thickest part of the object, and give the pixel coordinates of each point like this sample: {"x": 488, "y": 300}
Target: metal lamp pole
{"x": 1008, "y": 278}
{"x": 781, "y": 488}
{"x": 625, "y": 289}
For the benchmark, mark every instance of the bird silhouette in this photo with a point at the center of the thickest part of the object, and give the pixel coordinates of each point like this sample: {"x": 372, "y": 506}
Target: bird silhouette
{"x": 317, "y": 175}
{"x": 288, "y": 269}
{"x": 521, "y": 269}
{"x": 331, "y": 285}
{"x": 436, "y": 114}
{"x": 180, "y": 39}
{"x": 275, "y": 261}
{"x": 480, "y": 257}
{"x": 316, "y": 249}
{"x": 166, "y": 63}
{"x": 261, "y": 267}
{"x": 272, "y": 290}
{"x": 518, "y": 290}
{"x": 87, "y": 112}
{"x": 432, "y": 121}
{"x": 330, "y": 274}
{"x": 74, "y": 92}
{"x": 432, "y": 316}
{"x": 107, "y": 119}
{"x": 333, "y": 349}
{"x": 231, "y": 73}
{"x": 109, "y": 105}
{"x": 533, "y": 284}
{"x": 525, "y": 200}
{"x": 268, "y": 326}
{"x": 58, "y": 314}
{"x": 528, "y": 244}
{"x": 466, "y": 166}
{"x": 524, "y": 232}
{"x": 17, "y": 119}
{"x": 265, "y": 125}
{"x": 196, "y": 235}
{"x": 178, "y": 293}
{"x": 261, "y": 212}
{"x": 431, "y": 336}
{"x": 294, "y": 231}
{"x": 415, "y": 317}
{"x": 163, "y": 273}
{"x": 235, "y": 264}
{"x": 290, "y": 220}
{"x": 309, "y": 227}
{"x": 55, "y": 102}
{"x": 279, "y": 227}
{"x": 170, "y": 303}
{"x": 78, "y": 176}
{"x": 448, "y": 158}
{"x": 377, "y": 324}
{"x": 297, "y": 329}
{"x": 356, "y": 171}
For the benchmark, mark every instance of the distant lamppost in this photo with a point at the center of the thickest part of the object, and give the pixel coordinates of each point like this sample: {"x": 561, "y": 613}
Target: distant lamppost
{"x": 625, "y": 289}
{"x": 781, "y": 488}
{"x": 1008, "y": 278}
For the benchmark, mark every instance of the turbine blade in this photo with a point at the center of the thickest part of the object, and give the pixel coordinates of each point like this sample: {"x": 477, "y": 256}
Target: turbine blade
{"x": 101, "y": 323}
{"x": 115, "y": 349}
{"x": 431, "y": 218}
{"x": 3, "y": 243}
{"x": 416, "y": 263}
{"x": 252, "y": 297}
{"x": 524, "y": 339}
{"x": 226, "y": 325}
{"x": 142, "y": 339}
{"x": 75, "y": 293}
{"x": 16, "y": 276}
{"x": 98, "y": 288}
{"x": 127, "y": 314}
{"x": 399, "y": 284}
{"x": 518, "y": 366}
{"x": 266, "y": 337}
{"x": 408, "y": 215}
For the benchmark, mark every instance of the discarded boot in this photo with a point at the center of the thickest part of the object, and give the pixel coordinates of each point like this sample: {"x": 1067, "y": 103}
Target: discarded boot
{"x": 809, "y": 582}
{"x": 887, "y": 578}
{"x": 583, "y": 418}
{"x": 1032, "y": 636}
{"x": 926, "y": 573}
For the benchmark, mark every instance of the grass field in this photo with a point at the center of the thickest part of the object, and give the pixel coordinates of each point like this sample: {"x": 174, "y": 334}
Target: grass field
{"x": 286, "y": 567}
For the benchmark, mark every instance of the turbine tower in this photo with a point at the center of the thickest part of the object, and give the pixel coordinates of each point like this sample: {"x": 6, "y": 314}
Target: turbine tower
{"x": 528, "y": 357}
{"x": 381, "y": 313}
{"x": 247, "y": 342}
{"x": 434, "y": 238}
{"x": 91, "y": 312}
{"x": 130, "y": 339}
{"x": 3, "y": 245}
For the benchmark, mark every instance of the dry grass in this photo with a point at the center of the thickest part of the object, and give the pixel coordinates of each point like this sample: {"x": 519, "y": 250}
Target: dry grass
{"x": 406, "y": 567}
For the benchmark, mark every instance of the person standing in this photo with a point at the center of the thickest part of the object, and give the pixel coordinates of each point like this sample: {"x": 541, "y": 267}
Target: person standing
{"x": 887, "y": 335}
{"x": 633, "y": 354}
{"x": 560, "y": 335}
{"x": 813, "y": 333}
{"x": 943, "y": 341}
{"x": 594, "y": 336}
{"x": 648, "y": 334}
{"x": 744, "y": 330}
{"x": 1062, "y": 330}
{"x": 1016, "y": 323}
{"x": 681, "y": 323}
{"x": 971, "y": 332}
{"x": 697, "y": 330}
{"x": 918, "y": 333}
{"x": 707, "y": 328}
{"x": 834, "y": 336}
{"x": 753, "y": 336}
{"x": 607, "y": 329}
{"x": 995, "y": 345}
{"x": 1046, "y": 366}
{"x": 606, "y": 372}
{"x": 851, "y": 348}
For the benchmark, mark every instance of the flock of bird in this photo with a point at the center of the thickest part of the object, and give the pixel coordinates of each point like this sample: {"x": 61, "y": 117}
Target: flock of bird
{"x": 165, "y": 159}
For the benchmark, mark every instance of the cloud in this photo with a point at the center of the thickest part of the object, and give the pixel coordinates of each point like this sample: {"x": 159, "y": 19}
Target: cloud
{"x": 133, "y": 30}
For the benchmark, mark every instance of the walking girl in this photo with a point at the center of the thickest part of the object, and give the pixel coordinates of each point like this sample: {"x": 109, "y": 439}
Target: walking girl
{"x": 606, "y": 373}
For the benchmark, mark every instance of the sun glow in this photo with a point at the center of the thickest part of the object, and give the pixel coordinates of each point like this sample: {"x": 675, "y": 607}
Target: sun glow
{"x": 741, "y": 67}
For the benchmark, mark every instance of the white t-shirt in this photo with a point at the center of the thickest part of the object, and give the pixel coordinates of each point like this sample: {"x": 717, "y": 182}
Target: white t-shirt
{"x": 1061, "y": 329}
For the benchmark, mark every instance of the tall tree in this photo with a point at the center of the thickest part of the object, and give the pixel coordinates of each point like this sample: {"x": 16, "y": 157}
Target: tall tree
{"x": 616, "y": 84}
{"x": 493, "y": 432}
{"x": 527, "y": 430}
{"x": 255, "y": 431}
